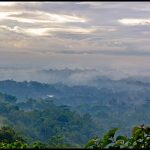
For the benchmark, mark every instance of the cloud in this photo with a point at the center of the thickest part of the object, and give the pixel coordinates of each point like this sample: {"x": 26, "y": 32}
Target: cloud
{"x": 46, "y": 31}
{"x": 39, "y": 17}
{"x": 134, "y": 22}
{"x": 27, "y": 31}
{"x": 7, "y": 4}
{"x": 74, "y": 31}
{"x": 108, "y": 52}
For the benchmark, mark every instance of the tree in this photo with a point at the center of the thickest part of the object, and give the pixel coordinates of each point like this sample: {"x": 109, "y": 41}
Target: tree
{"x": 58, "y": 141}
{"x": 140, "y": 139}
{"x": 8, "y": 135}
{"x": 39, "y": 145}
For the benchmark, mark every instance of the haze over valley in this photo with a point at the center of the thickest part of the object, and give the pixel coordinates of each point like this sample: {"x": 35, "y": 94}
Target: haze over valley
{"x": 74, "y": 69}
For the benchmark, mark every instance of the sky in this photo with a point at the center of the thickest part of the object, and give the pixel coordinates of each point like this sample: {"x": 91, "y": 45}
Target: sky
{"x": 113, "y": 37}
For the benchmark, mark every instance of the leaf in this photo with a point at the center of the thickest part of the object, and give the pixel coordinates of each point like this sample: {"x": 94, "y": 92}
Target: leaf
{"x": 90, "y": 143}
{"x": 123, "y": 138}
{"x": 147, "y": 130}
{"x": 135, "y": 130}
{"x": 137, "y": 133}
{"x": 106, "y": 143}
{"x": 111, "y": 133}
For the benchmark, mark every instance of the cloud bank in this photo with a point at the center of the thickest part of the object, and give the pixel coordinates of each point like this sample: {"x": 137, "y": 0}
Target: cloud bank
{"x": 39, "y": 35}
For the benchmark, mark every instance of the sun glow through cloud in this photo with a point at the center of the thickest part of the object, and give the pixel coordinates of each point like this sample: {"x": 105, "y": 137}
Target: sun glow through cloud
{"x": 7, "y": 3}
{"x": 47, "y": 17}
{"x": 45, "y": 31}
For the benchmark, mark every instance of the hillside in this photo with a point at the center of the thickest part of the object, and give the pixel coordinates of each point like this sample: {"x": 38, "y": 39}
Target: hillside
{"x": 42, "y": 120}
{"x": 107, "y": 101}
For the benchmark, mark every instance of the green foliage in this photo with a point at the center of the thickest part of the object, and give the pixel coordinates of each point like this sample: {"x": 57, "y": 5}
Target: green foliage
{"x": 7, "y": 134}
{"x": 140, "y": 139}
{"x": 58, "y": 141}
{"x": 9, "y": 139}
{"x": 39, "y": 145}
{"x": 43, "y": 120}
{"x": 14, "y": 145}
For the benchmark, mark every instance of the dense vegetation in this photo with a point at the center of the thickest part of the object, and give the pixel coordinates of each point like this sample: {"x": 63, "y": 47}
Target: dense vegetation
{"x": 140, "y": 139}
{"x": 42, "y": 120}
{"x": 68, "y": 116}
{"x": 107, "y": 101}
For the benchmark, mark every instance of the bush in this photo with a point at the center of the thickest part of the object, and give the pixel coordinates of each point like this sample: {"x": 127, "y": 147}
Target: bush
{"x": 140, "y": 139}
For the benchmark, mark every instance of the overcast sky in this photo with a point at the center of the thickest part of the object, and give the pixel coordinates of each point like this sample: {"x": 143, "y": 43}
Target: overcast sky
{"x": 102, "y": 35}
